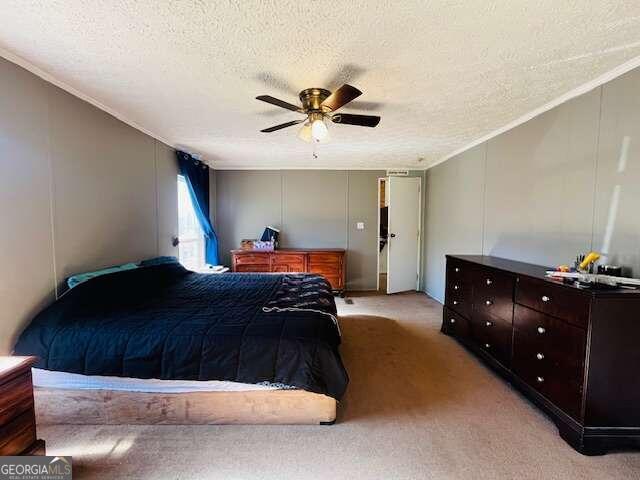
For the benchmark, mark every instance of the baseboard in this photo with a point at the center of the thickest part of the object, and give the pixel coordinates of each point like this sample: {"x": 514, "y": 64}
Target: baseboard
{"x": 431, "y": 295}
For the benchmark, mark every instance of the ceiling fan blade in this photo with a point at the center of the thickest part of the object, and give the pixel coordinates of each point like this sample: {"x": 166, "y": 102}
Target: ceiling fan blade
{"x": 351, "y": 119}
{"x": 279, "y": 103}
{"x": 341, "y": 97}
{"x": 282, "y": 125}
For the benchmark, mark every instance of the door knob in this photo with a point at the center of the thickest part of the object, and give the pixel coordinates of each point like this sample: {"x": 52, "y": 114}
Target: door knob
{"x": 393, "y": 235}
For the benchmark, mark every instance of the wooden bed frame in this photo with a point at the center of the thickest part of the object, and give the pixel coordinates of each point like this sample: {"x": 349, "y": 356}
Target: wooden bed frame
{"x": 110, "y": 407}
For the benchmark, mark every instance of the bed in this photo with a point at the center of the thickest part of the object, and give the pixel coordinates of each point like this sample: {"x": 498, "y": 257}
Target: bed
{"x": 162, "y": 344}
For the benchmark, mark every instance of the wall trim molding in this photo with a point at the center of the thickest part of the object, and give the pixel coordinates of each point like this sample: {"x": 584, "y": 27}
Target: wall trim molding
{"x": 321, "y": 168}
{"x": 576, "y": 92}
{"x": 433, "y": 297}
{"x": 47, "y": 77}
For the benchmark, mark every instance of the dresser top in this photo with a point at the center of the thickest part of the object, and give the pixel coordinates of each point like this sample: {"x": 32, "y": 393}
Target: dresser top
{"x": 11, "y": 366}
{"x": 539, "y": 272}
{"x": 291, "y": 250}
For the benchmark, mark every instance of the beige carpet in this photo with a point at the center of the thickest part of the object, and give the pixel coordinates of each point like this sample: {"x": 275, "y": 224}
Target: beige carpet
{"x": 418, "y": 406}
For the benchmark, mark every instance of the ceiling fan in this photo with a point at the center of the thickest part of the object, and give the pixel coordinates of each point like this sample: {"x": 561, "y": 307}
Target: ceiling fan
{"x": 318, "y": 105}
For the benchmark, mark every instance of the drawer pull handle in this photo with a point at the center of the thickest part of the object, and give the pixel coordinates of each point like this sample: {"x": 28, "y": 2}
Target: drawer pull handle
{"x": 455, "y": 287}
{"x": 486, "y": 345}
{"x": 457, "y": 269}
{"x": 489, "y": 282}
{"x": 540, "y": 379}
{"x": 455, "y": 302}
{"x": 545, "y": 298}
{"x": 541, "y": 330}
{"x": 488, "y": 302}
{"x": 539, "y": 356}
{"x": 488, "y": 324}
{"x": 453, "y": 320}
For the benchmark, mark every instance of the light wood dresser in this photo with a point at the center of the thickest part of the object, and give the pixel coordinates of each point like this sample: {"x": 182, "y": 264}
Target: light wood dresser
{"x": 329, "y": 262}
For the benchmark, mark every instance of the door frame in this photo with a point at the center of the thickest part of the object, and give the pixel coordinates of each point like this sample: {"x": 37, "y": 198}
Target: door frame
{"x": 419, "y": 256}
{"x": 380, "y": 179}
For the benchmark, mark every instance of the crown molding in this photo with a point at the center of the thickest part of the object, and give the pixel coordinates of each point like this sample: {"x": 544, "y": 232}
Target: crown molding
{"x": 47, "y": 77}
{"x": 576, "y": 92}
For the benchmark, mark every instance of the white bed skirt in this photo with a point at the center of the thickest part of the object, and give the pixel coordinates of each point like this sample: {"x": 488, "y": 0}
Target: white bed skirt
{"x": 74, "y": 381}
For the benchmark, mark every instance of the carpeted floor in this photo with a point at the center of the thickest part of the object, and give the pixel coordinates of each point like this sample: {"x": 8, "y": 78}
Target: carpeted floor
{"x": 418, "y": 407}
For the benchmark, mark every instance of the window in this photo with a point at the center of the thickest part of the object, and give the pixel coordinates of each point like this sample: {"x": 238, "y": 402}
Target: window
{"x": 191, "y": 246}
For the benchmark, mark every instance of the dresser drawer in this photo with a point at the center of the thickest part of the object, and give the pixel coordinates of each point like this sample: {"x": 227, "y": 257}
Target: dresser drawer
{"x": 559, "y": 341}
{"x": 252, "y": 268}
{"x": 554, "y": 300}
{"x": 15, "y": 397}
{"x": 335, "y": 281}
{"x": 551, "y": 382}
{"x": 327, "y": 269}
{"x": 252, "y": 259}
{"x": 18, "y": 434}
{"x": 494, "y": 336}
{"x": 282, "y": 267}
{"x": 458, "y": 302}
{"x": 294, "y": 258}
{"x": 287, "y": 262}
{"x": 493, "y": 294}
{"x": 326, "y": 257}
{"x": 549, "y": 355}
{"x": 459, "y": 271}
{"x": 454, "y": 324}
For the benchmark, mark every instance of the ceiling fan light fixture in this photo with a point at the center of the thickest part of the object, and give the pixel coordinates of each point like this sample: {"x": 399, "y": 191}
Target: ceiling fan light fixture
{"x": 319, "y": 105}
{"x": 319, "y": 131}
{"x": 305, "y": 133}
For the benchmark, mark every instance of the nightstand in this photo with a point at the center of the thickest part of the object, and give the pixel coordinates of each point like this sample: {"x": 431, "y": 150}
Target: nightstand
{"x": 17, "y": 414}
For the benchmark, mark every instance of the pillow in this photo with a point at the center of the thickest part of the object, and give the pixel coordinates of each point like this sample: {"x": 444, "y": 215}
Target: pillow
{"x": 76, "y": 280}
{"x": 150, "y": 262}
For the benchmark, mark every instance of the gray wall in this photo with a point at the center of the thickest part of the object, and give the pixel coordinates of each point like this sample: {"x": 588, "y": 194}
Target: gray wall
{"x": 79, "y": 190}
{"x": 314, "y": 208}
{"x": 545, "y": 190}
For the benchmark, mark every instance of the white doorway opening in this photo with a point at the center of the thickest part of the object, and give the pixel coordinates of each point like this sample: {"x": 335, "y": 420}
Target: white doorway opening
{"x": 399, "y": 230}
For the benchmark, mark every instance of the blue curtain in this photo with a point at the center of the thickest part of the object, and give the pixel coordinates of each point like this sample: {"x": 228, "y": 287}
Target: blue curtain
{"x": 196, "y": 174}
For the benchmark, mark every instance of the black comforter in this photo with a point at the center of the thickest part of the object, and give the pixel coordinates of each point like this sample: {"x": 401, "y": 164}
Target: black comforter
{"x": 170, "y": 323}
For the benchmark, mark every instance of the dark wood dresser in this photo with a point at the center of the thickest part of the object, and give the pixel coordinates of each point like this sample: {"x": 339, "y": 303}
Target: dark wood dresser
{"x": 329, "y": 262}
{"x": 573, "y": 352}
{"x": 17, "y": 414}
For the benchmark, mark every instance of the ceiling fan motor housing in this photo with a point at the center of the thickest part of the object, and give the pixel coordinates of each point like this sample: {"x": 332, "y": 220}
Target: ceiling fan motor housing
{"x": 319, "y": 104}
{"x": 312, "y": 99}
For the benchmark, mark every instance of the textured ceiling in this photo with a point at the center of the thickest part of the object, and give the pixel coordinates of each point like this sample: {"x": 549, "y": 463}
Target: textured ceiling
{"x": 440, "y": 73}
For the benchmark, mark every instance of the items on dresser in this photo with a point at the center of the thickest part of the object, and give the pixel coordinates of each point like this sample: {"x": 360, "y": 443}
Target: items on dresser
{"x": 17, "y": 414}
{"x": 589, "y": 280}
{"x": 271, "y": 234}
{"x": 329, "y": 262}
{"x": 574, "y": 352}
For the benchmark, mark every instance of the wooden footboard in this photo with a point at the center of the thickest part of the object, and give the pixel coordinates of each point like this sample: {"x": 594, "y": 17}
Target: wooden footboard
{"x": 109, "y": 407}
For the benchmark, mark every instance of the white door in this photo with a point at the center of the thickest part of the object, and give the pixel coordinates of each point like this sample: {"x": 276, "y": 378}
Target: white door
{"x": 404, "y": 233}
